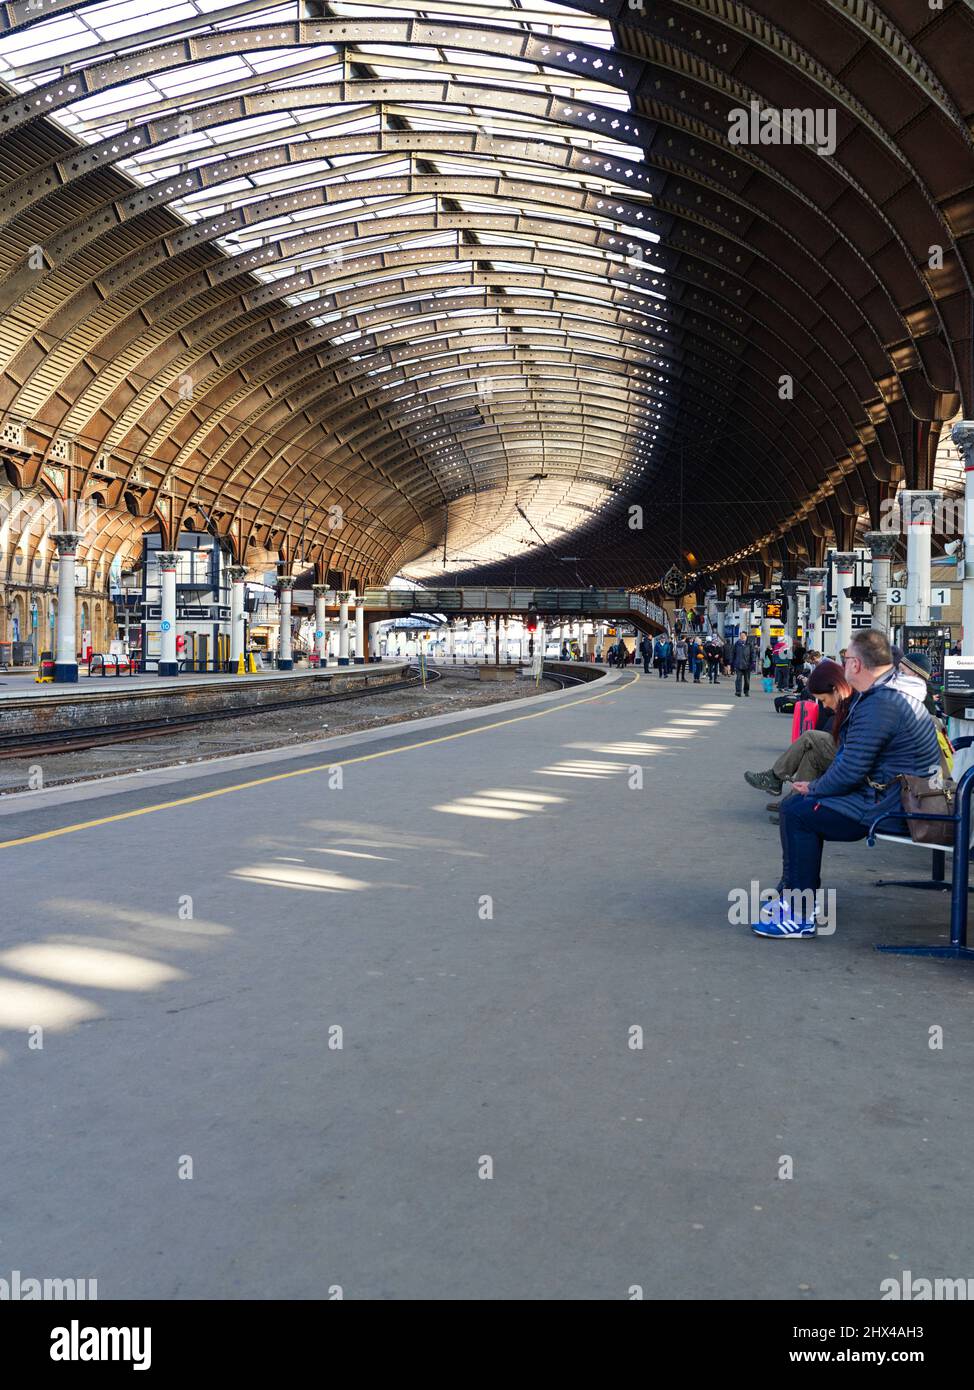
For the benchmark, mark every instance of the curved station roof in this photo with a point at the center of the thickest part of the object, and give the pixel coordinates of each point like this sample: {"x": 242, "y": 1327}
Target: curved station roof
{"x": 479, "y": 288}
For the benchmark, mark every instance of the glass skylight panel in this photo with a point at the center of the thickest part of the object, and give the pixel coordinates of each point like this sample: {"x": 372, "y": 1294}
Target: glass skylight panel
{"x": 39, "y": 45}
{"x": 461, "y": 323}
{"x": 136, "y": 23}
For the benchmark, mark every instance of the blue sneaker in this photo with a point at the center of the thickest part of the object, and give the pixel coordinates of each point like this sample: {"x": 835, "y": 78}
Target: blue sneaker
{"x": 779, "y": 919}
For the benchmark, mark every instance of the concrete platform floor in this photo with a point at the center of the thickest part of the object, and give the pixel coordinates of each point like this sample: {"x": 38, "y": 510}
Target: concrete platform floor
{"x": 487, "y": 908}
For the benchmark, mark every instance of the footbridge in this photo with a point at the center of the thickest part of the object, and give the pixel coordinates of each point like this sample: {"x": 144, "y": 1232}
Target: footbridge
{"x": 616, "y": 604}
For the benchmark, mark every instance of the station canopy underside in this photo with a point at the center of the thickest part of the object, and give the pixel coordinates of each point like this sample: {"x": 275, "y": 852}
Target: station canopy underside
{"x": 452, "y": 288}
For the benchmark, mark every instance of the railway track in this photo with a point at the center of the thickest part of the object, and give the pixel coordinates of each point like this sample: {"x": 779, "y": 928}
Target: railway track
{"x": 66, "y": 741}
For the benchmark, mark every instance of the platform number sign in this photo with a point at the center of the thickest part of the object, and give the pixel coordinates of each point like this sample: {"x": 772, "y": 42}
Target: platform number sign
{"x": 165, "y": 625}
{"x": 896, "y": 597}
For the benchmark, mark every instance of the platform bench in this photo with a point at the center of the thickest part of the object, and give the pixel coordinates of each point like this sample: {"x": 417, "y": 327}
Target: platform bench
{"x": 959, "y": 883}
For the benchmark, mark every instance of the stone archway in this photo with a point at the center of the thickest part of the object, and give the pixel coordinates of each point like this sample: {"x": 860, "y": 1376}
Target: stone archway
{"x": 17, "y": 619}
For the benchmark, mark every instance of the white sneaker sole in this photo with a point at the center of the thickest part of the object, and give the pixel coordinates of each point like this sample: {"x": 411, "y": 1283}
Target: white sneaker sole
{"x": 789, "y": 936}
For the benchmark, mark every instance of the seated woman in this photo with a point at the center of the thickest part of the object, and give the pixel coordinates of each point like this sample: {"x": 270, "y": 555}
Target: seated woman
{"x": 809, "y": 755}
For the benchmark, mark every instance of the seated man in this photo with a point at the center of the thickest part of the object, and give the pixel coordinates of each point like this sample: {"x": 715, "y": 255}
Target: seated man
{"x": 886, "y": 732}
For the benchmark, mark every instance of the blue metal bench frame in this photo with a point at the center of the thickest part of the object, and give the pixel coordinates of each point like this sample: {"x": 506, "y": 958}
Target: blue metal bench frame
{"x": 961, "y": 821}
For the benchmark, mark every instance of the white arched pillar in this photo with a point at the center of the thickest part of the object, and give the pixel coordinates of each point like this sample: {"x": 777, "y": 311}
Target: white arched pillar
{"x": 816, "y": 609}
{"x": 285, "y": 658}
{"x": 343, "y": 599}
{"x": 238, "y": 576}
{"x": 66, "y": 653}
{"x": 882, "y": 546}
{"x": 917, "y": 509}
{"x": 359, "y": 630}
{"x": 168, "y": 665}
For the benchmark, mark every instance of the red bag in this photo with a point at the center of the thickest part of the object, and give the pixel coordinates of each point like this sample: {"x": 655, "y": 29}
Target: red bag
{"x": 804, "y": 718}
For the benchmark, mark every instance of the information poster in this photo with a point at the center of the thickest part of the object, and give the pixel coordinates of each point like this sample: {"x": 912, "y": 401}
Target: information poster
{"x": 929, "y": 641}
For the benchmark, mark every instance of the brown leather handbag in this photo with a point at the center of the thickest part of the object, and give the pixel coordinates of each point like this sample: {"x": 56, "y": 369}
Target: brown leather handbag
{"x": 929, "y": 796}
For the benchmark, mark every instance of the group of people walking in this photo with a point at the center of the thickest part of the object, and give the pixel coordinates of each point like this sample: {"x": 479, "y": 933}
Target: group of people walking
{"x": 676, "y": 654}
{"x": 621, "y": 655}
{"x": 782, "y": 668}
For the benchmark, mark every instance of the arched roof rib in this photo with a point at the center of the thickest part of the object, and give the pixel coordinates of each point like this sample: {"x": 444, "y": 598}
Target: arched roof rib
{"x": 517, "y": 191}
{"x": 504, "y": 185}
{"x": 898, "y": 185}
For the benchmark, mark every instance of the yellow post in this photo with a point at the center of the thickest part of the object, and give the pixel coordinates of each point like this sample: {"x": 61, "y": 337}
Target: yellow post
{"x": 252, "y": 664}
{"x": 241, "y": 671}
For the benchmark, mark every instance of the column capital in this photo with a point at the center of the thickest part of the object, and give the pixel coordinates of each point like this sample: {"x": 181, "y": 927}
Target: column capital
{"x": 168, "y": 559}
{"x": 881, "y": 544}
{"x": 721, "y": 605}
{"x": 790, "y": 587}
{"x": 238, "y": 573}
{"x": 285, "y": 583}
{"x": 359, "y": 600}
{"x": 845, "y": 559}
{"x": 67, "y": 542}
{"x": 816, "y": 575}
{"x": 918, "y": 506}
{"x": 344, "y": 595}
{"x": 963, "y": 436}
{"x": 320, "y": 590}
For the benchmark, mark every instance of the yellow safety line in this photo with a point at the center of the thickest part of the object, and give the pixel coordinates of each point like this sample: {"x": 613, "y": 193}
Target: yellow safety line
{"x": 304, "y": 771}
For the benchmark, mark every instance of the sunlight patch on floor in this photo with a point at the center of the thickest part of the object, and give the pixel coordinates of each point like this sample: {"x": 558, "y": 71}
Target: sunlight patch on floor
{"x": 84, "y": 965}
{"x": 303, "y": 879}
{"x": 25, "y": 1006}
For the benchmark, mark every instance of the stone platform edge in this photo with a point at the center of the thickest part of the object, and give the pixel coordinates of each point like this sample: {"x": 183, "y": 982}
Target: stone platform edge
{"x": 99, "y": 710}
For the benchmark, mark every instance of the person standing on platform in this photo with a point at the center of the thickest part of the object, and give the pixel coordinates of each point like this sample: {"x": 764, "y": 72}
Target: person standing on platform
{"x": 659, "y": 657}
{"x": 782, "y": 666}
{"x": 646, "y": 652}
{"x": 742, "y": 664}
{"x": 680, "y": 653}
{"x": 797, "y": 662}
{"x": 696, "y": 659}
{"x": 728, "y": 655}
{"x": 714, "y": 652}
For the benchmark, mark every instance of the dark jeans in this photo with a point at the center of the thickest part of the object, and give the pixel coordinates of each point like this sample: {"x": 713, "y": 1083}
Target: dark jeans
{"x": 646, "y": 665}
{"x": 783, "y": 677}
{"x": 744, "y": 676}
{"x": 713, "y": 671}
{"x": 681, "y": 670}
{"x": 805, "y": 825}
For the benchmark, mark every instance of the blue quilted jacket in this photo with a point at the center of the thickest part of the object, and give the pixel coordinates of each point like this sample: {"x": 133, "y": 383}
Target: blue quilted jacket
{"x": 887, "y": 731}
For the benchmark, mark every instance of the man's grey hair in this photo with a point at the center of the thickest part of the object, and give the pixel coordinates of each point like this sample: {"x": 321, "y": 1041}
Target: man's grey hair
{"x": 872, "y": 648}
